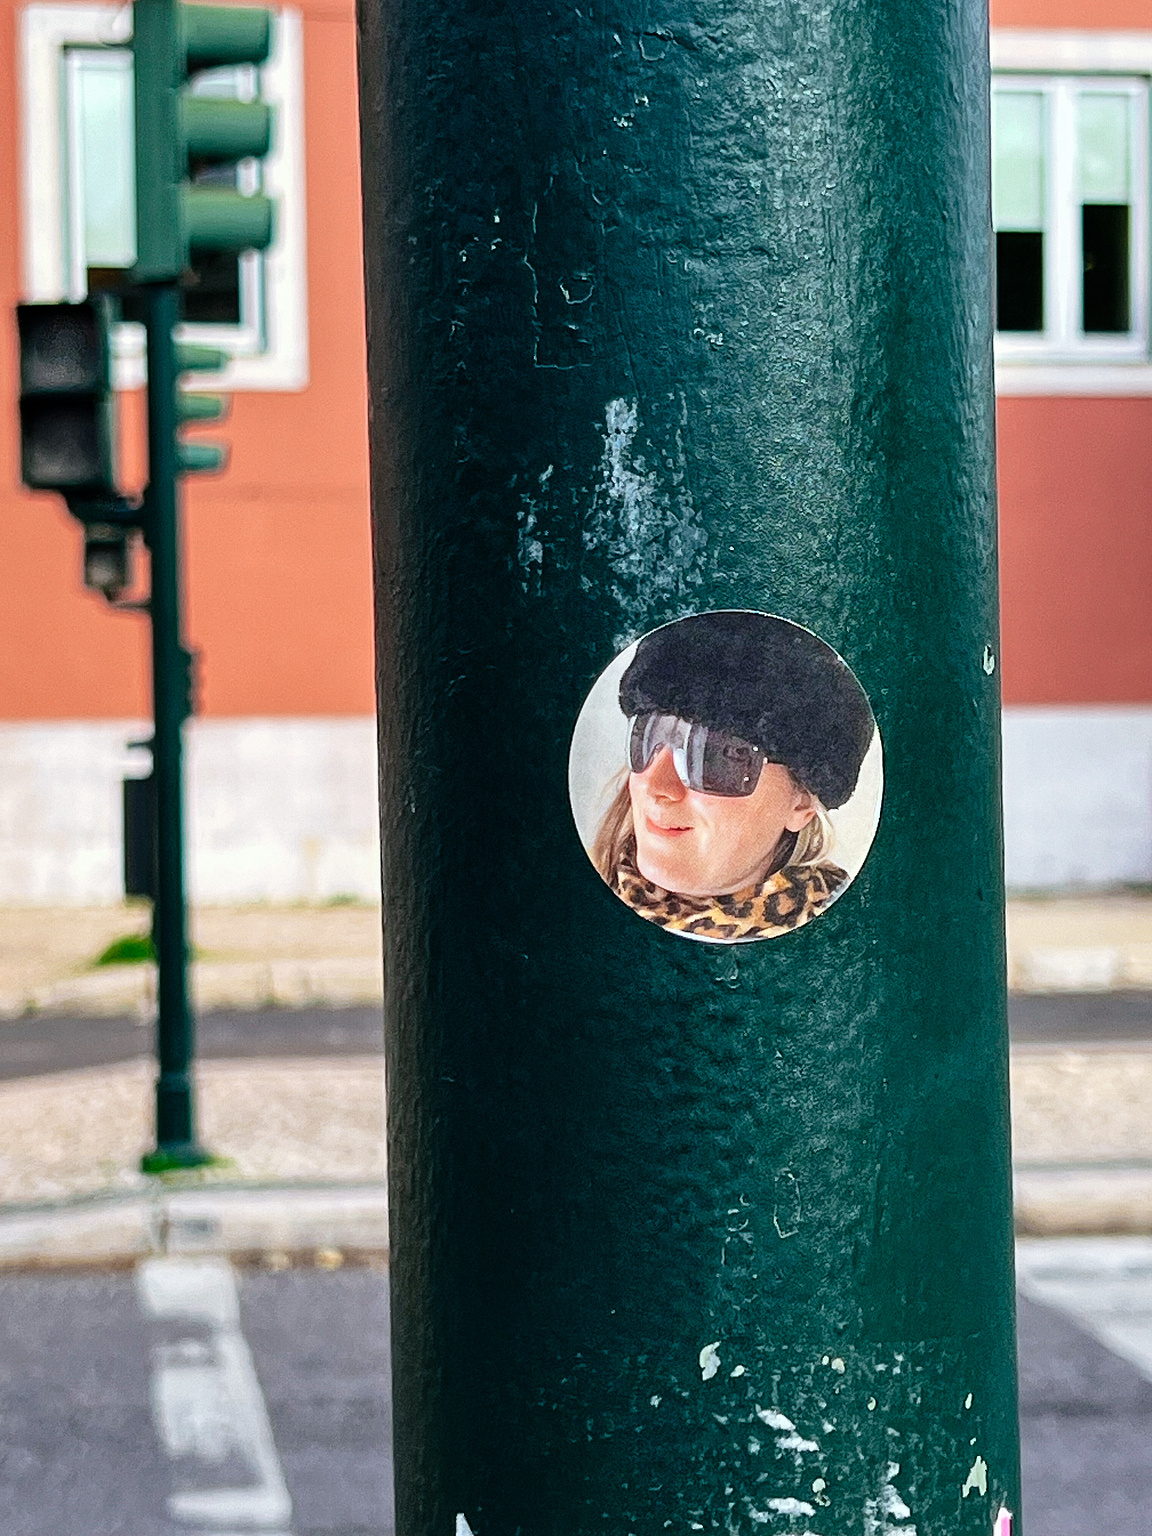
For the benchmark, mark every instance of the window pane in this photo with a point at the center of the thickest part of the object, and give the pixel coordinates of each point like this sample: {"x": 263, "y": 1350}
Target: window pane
{"x": 1018, "y": 208}
{"x": 1018, "y": 160}
{"x": 105, "y": 140}
{"x": 1105, "y": 237}
{"x": 1019, "y": 280}
{"x": 1104, "y": 174}
{"x": 212, "y": 291}
{"x": 1103, "y": 146}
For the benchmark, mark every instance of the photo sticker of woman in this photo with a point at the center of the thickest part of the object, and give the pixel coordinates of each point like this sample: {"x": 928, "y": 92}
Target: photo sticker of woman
{"x": 743, "y": 732}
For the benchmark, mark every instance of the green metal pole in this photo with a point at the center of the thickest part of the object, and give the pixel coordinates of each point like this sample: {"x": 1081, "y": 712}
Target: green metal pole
{"x": 177, "y": 1145}
{"x": 674, "y": 309}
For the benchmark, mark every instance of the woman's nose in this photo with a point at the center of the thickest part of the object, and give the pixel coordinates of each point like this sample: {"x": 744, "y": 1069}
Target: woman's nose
{"x": 663, "y": 780}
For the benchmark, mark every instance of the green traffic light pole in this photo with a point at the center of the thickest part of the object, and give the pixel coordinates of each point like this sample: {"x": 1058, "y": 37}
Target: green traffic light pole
{"x": 672, "y": 309}
{"x": 171, "y": 43}
{"x": 177, "y": 1144}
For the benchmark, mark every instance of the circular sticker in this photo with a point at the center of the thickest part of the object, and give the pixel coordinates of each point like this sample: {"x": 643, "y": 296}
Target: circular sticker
{"x": 726, "y": 776}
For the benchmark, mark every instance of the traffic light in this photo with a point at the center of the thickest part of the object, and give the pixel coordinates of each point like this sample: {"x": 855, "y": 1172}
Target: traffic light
{"x": 67, "y": 440}
{"x": 67, "y": 430}
{"x": 180, "y": 134}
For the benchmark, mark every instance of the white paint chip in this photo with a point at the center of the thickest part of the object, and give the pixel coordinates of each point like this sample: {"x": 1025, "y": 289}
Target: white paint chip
{"x": 462, "y": 1527}
{"x": 738, "y": 1371}
{"x": 838, "y": 1365}
{"x": 790, "y": 1507}
{"x": 795, "y": 1443}
{"x": 1003, "y": 1525}
{"x": 710, "y": 1360}
{"x": 968, "y": 1401}
{"x": 977, "y": 1478}
{"x": 888, "y": 1515}
{"x": 774, "y": 1418}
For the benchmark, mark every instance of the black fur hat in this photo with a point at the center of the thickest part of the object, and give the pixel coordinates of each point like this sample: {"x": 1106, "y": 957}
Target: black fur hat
{"x": 763, "y": 679}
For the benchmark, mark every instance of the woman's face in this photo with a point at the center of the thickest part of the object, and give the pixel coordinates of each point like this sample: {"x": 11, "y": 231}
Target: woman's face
{"x": 711, "y": 845}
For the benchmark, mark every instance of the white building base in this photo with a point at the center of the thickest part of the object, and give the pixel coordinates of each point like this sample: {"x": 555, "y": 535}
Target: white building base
{"x": 1077, "y": 796}
{"x": 285, "y": 809}
{"x": 277, "y": 810}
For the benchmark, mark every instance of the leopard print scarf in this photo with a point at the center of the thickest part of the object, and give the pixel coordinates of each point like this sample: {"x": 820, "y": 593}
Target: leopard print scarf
{"x": 780, "y": 902}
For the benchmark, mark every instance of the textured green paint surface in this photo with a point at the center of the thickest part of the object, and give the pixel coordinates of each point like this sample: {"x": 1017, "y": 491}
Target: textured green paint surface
{"x": 675, "y": 307}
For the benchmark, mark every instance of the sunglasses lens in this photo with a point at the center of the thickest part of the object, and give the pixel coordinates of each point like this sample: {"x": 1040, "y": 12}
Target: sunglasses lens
{"x": 648, "y": 734}
{"x": 711, "y": 761}
{"x": 729, "y": 766}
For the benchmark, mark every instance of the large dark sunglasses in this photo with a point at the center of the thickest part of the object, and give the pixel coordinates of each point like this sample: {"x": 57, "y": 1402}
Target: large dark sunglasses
{"x": 712, "y": 762}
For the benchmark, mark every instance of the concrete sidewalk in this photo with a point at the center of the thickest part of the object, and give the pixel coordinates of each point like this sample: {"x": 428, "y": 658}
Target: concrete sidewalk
{"x": 303, "y": 1138}
{"x": 303, "y": 1144}
{"x": 246, "y": 957}
{"x": 252, "y": 957}
{"x": 1097, "y": 943}
{"x": 301, "y": 1148}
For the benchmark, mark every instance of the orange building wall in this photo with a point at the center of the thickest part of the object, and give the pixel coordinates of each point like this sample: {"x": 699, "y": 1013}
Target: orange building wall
{"x": 1079, "y": 15}
{"x": 1075, "y": 480}
{"x": 1076, "y": 550}
{"x": 279, "y": 595}
{"x": 278, "y": 564}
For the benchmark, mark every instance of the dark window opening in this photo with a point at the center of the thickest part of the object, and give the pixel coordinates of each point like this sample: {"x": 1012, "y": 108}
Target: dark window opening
{"x": 1105, "y": 235}
{"x": 212, "y": 291}
{"x": 1019, "y": 280}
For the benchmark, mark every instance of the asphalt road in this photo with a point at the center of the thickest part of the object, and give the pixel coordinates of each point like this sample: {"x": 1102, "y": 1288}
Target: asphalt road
{"x": 57, "y": 1043}
{"x": 125, "y": 1414}
{"x": 1086, "y": 1432}
{"x": 120, "y": 1397}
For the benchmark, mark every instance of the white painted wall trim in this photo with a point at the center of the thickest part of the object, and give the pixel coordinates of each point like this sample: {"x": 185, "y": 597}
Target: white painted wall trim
{"x": 278, "y": 809}
{"x": 1042, "y": 51}
{"x": 1077, "y": 796}
{"x": 284, "y": 809}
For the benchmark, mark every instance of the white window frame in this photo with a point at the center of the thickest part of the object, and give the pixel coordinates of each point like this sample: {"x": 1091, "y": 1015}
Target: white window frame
{"x": 1062, "y": 339}
{"x": 271, "y": 356}
{"x": 1063, "y": 362}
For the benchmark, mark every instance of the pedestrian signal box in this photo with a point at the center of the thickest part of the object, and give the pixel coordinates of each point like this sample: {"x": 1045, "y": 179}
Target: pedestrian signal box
{"x": 67, "y": 436}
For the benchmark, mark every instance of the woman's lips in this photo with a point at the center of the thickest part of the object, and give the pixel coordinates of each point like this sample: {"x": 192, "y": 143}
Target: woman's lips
{"x": 659, "y": 831}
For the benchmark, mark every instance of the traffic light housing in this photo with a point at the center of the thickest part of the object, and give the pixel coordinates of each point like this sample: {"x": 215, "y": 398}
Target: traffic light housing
{"x": 67, "y": 432}
{"x": 179, "y": 133}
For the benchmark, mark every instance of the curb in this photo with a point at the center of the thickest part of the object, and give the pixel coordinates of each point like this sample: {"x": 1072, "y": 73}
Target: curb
{"x": 328, "y": 1223}
{"x": 1083, "y": 1200}
{"x": 131, "y": 989}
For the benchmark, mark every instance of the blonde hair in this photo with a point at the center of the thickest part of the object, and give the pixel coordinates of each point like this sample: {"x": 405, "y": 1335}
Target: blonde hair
{"x": 810, "y": 846}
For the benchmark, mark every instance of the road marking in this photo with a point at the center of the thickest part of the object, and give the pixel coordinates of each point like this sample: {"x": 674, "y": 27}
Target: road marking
{"x": 1104, "y": 1284}
{"x": 207, "y": 1403}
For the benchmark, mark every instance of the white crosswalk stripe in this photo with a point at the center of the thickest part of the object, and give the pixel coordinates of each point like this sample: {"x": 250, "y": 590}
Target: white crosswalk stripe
{"x": 1104, "y": 1284}
{"x": 207, "y": 1403}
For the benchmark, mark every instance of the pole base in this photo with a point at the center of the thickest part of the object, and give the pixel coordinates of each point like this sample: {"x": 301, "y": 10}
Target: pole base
{"x": 171, "y": 1159}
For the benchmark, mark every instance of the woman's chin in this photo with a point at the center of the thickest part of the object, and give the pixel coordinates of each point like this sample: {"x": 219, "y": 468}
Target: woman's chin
{"x": 665, "y": 874}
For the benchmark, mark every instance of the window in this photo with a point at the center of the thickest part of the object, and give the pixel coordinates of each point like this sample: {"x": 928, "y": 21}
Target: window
{"x": 1070, "y": 175}
{"x": 1070, "y": 212}
{"x": 79, "y": 193}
